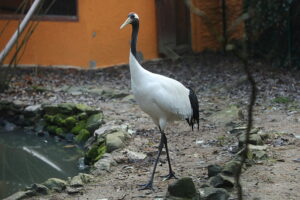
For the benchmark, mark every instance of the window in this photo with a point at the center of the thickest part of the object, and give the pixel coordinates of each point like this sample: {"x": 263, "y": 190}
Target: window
{"x": 60, "y": 9}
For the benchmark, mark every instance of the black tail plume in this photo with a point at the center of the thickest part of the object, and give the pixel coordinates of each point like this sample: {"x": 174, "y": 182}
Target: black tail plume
{"x": 195, "y": 108}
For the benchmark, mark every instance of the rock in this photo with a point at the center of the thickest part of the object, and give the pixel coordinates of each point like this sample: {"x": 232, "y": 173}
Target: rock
{"x": 238, "y": 130}
{"x": 115, "y": 141}
{"x": 226, "y": 115}
{"x": 86, "y": 178}
{"x": 94, "y": 121}
{"x": 210, "y": 193}
{"x": 183, "y": 188}
{"x": 76, "y": 181}
{"x": 33, "y": 110}
{"x": 39, "y": 188}
{"x": 21, "y": 195}
{"x": 213, "y": 170}
{"x": 104, "y": 164}
{"x": 72, "y": 190}
{"x": 95, "y": 153}
{"x": 107, "y": 128}
{"x": 70, "y": 122}
{"x": 78, "y": 127}
{"x": 253, "y": 139}
{"x": 221, "y": 181}
{"x": 257, "y": 152}
{"x": 8, "y": 126}
{"x": 82, "y": 136}
{"x": 230, "y": 168}
{"x": 134, "y": 156}
{"x": 55, "y": 184}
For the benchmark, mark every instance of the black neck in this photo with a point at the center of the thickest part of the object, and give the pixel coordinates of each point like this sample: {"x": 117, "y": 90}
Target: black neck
{"x": 134, "y": 34}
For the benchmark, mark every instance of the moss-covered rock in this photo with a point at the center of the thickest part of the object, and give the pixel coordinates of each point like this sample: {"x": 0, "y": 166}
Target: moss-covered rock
{"x": 95, "y": 153}
{"x": 59, "y": 120}
{"x": 94, "y": 121}
{"x": 82, "y": 116}
{"x": 70, "y": 122}
{"x": 82, "y": 136}
{"x": 78, "y": 127}
{"x": 59, "y": 131}
{"x": 49, "y": 118}
{"x": 51, "y": 129}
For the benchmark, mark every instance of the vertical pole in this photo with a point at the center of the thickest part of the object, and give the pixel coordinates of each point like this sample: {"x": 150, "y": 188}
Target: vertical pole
{"x": 224, "y": 22}
{"x": 19, "y": 30}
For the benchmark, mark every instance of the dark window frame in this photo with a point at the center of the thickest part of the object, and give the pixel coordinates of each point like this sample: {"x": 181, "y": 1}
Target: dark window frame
{"x": 73, "y": 18}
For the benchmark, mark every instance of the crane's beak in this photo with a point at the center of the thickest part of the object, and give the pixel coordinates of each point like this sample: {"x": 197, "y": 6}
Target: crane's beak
{"x": 128, "y": 21}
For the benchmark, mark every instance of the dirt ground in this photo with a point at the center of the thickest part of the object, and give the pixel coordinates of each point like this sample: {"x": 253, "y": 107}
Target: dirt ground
{"x": 218, "y": 82}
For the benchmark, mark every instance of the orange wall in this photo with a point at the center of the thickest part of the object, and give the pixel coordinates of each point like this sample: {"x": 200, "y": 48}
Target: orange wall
{"x": 95, "y": 37}
{"x": 202, "y": 37}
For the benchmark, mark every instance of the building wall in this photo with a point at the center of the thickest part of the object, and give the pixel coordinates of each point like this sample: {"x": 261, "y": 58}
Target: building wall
{"x": 206, "y": 37}
{"x": 95, "y": 38}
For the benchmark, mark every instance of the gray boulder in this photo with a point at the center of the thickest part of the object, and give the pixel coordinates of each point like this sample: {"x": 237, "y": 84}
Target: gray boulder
{"x": 182, "y": 189}
{"x": 211, "y": 193}
{"x": 55, "y": 184}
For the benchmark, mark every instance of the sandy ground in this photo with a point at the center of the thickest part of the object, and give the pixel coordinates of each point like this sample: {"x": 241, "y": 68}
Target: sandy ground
{"x": 218, "y": 82}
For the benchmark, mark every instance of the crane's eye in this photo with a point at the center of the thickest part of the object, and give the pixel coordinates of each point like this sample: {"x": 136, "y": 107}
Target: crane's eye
{"x": 132, "y": 17}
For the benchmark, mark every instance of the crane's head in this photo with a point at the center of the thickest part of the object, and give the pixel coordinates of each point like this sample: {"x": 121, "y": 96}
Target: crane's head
{"x": 133, "y": 18}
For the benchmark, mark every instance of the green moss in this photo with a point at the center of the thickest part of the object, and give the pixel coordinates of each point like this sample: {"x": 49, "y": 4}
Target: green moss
{"x": 282, "y": 100}
{"x": 95, "y": 153}
{"x": 82, "y": 116}
{"x": 59, "y": 119}
{"x": 78, "y": 127}
{"x": 59, "y": 131}
{"x": 94, "y": 121}
{"x": 49, "y": 118}
{"x": 51, "y": 129}
{"x": 82, "y": 136}
{"x": 70, "y": 122}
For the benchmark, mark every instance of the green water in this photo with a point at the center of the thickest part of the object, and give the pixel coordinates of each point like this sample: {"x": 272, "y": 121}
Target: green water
{"x": 27, "y": 158}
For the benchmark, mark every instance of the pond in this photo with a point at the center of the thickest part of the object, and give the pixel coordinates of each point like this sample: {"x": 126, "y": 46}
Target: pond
{"x": 26, "y": 158}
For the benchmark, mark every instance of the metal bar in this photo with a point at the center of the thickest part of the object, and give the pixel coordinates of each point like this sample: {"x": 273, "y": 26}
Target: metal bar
{"x": 19, "y": 30}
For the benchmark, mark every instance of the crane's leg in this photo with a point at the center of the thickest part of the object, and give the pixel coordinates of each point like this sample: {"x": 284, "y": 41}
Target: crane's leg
{"x": 149, "y": 185}
{"x": 171, "y": 172}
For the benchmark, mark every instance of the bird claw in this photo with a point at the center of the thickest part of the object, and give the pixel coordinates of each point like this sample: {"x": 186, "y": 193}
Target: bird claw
{"x": 147, "y": 186}
{"x": 169, "y": 176}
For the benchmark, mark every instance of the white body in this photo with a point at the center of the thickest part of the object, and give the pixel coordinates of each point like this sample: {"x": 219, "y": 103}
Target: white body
{"x": 163, "y": 98}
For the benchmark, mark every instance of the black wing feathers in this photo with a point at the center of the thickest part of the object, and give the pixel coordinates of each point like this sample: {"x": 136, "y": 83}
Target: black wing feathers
{"x": 195, "y": 108}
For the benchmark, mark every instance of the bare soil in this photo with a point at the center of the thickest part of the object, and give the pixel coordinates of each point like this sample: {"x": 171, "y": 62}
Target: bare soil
{"x": 218, "y": 82}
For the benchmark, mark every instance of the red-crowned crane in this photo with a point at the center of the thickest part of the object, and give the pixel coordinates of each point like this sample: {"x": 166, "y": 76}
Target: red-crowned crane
{"x": 163, "y": 98}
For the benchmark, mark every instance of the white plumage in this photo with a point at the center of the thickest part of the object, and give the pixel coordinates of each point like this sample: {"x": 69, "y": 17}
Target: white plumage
{"x": 162, "y": 98}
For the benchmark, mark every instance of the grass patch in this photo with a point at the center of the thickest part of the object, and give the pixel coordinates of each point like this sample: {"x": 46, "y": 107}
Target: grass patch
{"x": 282, "y": 100}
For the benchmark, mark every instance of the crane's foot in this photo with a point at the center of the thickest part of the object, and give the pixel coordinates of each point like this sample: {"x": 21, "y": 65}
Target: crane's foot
{"x": 169, "y": 176}
{"x": 147, "y": 186}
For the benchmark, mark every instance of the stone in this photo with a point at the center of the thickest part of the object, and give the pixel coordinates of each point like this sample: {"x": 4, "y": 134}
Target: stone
{"x": 253, "y": 139}
{"x": 115, "y": 141}
{"x": 213, "y": 170}
{"x": 76, "y": 181}
{"x": 134, "y": 156}
{"x": 231, "y": 167}
{"x": 226, "y": 115}
{"x": 94, "y": 121}
{"x": 221, "y": 181}
{"x": 95, "y": 153}
{"x": 39, "y": 188}
{"x": 33, "y": 110}
{"x": 86, "y": 178}
{"x": 72, "y": 190}
{"x": 183, "y": 188}
{"x": 78, "y": 127}
{"x": 104, "y": 164}
{"x": 55, "y": 184}
{"x": 21, "y": 195}
{"x": 82, "y": 136}
{"x": 211, "y": 193}
{"x": 70, "y": 122}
